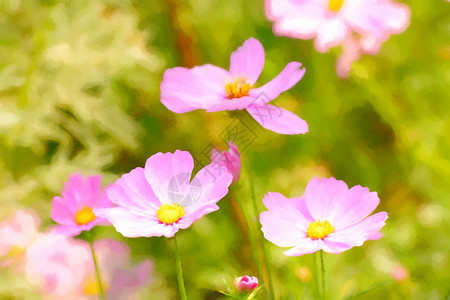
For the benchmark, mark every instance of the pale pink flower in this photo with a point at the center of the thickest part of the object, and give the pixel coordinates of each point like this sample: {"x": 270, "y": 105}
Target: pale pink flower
{"x": 215, "y": 89}
{"x": 229, "y": 159}
{"x": 245, "y": 283}
{"x": 161, "y": 199}
{"x": 329, "y": 216}
{"x": 120, "y": 280}
{"x": 63, "y": 267}
{"x": 74, "y": 210}
{"x": 57, "y": 265}
{"x": 17, "y": 232}
{"x": 365, "y": 24}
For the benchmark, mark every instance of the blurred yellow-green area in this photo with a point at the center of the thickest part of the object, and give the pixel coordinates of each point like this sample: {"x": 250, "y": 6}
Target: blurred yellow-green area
{"x": 79, "y": 92}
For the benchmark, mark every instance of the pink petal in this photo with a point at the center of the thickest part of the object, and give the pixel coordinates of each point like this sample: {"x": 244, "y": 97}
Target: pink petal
{"x": 351, "y": 51}
{"x": 133, "y": 191}
{"x": 290, "y": 75}
{"x": 356, "y": 235}
{"x": 131, "y": 224}
{"x": 248, "y": 60}
{"x": 378, "y": 18}
{"x": 126, "y": 282}
{"x": 70, "y": 231}
{"x": 142, "y": 272}
{"x": 93, "y": 189}
{"x": 80, "y": 192}
{"x": 303, "y": 28}
{"x": 277, "y": 119}
{"x": 305, "y": 246}
{"x": 19, "y": 229}
{"x": 330, "y": 34}
{"x": 286, "y": 221}
{"x": 163, "y": 169}
{"x": 184, "y": 90}
{"x": 334, "y": 246}
{"x": 51, "y": 261}
{"x": 213, "y": 181}
{"x": 370, "y": 44}
{"x": 234, "y": 104}
{"x": 355, "y": 205}
{"x": 322, "y": 195}
{"x": 112, "y": 256}
{"x": 297, "y": 20}
{"x": 331, "y": 200}
{"x": 75, "y": 194}
{"x": 194, "y": 214}
{"x": 62, "y": 212}
{"x": 372, "y": 225}
{"x": 75, "y": 229}
{"x": 103, "y": 200}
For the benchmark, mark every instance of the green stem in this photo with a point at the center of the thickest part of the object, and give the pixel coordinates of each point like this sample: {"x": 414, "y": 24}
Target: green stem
{"x": 305, "y": 292}
{"x": 322, "y": 275}
{"x": 250, "y": 232}
{"x": 97, "y": 269}
{"x": 179, "y": 270}
{"x": 264, "y": 249}
{"x": 316, "y": 273}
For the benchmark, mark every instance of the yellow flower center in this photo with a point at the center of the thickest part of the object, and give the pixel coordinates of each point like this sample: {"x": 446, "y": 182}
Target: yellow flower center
{"x": 90, "y": 287}
{"x": 170, "y": 213}
{"x": 84, "y": 216}
{"x": 319, "y": 230}
{"x": 13, "y": 253}
{"x": 335, "y": 5}
{"x": 237, "y": 89}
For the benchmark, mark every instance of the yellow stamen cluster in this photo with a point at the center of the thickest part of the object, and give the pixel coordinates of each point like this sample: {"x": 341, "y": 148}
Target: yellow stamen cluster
{"x": 15, "y": 251}
{"x": 170, "y": 213}
{"x": 238, "y": 88}
{"x": 335, "y": 5}
{"x": 90, "y": 287}
{"x": 319, "y": 230}
{"x": 84, "y": 216}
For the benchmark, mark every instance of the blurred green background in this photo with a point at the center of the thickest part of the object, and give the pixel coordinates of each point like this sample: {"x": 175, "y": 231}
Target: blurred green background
{"x": 79, "y": 92}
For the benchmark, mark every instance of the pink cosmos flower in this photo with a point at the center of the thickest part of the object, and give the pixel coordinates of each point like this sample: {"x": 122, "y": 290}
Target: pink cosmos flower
{"x": 57, "y": 265}
{"x": 120, "y": 280}
{"x": 62, "y": 267}
{"x": 215, "y": 89}
{"x": 17, "y": 232}
{"x": 229, "y": 159}
{"x": 329, "y": 216}
{"x": 360, "y": 26}
{"x": 245, "y": 283}
{"x": 74, "y": 210}
{"x": 161, "y": 199}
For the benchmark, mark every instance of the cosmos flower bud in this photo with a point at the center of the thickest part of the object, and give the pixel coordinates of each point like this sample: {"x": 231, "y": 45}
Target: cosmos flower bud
{"x": 229, "y": 159}
{"x": 245, "y": 283}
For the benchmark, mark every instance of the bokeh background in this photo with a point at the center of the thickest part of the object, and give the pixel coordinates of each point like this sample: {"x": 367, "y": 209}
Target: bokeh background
{"x": 79, "y": 92}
